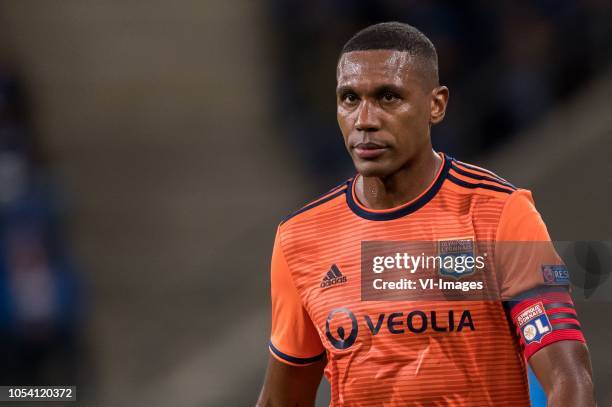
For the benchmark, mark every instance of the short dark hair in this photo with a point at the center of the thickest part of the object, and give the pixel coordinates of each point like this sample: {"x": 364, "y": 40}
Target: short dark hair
{"x": 395, "y": 36}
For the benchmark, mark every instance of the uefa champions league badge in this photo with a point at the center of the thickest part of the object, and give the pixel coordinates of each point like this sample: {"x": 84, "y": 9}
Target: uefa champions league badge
{"x": 533, "y": 323}
{"x": 456, "y": 257}
{"x": 555, "y": 274}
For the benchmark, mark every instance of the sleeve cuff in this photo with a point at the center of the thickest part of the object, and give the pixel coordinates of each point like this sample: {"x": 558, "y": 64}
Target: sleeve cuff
{"x": 293, "y": 360}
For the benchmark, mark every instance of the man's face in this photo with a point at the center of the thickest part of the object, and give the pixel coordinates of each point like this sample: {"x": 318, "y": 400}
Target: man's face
{"x": 384, "y": 108}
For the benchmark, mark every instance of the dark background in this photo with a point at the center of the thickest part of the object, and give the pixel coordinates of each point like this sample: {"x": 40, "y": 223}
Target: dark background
{"x": 149, "y": 149}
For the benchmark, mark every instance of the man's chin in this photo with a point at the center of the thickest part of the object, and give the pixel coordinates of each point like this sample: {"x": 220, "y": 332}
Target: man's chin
{"x": 372, "y": 168}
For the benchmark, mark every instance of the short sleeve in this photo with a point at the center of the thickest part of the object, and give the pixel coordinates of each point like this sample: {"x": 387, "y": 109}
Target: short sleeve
{"x": 294, "y": 338}
{"x": 523, "y": 247}
{"x": 533, "y": 281}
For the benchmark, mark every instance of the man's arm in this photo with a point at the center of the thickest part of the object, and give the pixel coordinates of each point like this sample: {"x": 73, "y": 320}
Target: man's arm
{"x": 564, "y": 371}
{"x": 294, "y": 339}
{"x": 287, "y": 385}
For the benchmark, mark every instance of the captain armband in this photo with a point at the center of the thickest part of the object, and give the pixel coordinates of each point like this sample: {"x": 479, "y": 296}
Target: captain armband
{"x": 543, "y": 316}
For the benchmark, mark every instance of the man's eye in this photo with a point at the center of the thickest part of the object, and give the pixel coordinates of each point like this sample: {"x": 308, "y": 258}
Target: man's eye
{"x": 349, "y": 97}
{"x": 389, "y": 97}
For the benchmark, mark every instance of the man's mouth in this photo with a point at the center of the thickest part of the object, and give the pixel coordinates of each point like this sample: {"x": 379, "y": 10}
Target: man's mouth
{"x": 369, "y": 150}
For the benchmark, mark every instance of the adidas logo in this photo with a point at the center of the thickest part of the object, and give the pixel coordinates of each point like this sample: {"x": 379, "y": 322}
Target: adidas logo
{"x": 333, "y": 277}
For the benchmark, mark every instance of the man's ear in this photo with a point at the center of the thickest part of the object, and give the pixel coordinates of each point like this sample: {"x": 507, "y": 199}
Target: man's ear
{"x": 439, "y": 100}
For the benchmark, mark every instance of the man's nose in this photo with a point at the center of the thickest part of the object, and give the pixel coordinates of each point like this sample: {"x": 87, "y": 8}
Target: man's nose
{"x": 367, "y": 119}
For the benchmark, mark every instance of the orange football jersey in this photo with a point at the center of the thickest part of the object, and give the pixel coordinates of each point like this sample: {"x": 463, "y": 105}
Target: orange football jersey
{"x": 415, "y": 353}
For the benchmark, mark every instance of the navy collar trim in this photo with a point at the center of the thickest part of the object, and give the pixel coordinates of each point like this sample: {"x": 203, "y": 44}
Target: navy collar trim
{"x": 404, "y": 209}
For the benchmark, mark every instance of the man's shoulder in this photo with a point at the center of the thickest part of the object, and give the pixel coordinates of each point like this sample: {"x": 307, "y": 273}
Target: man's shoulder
{"x": 468, "y": 178}
{"x": 496, "y": 197}
{"x": 321, "y": 203}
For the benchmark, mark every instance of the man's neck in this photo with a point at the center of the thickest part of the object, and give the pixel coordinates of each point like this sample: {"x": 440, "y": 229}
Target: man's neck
{"x": 401, "y": 187}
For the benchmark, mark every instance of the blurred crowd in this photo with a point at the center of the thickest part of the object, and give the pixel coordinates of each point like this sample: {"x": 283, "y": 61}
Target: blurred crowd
{"x": 41, "y": 302}
{"x": 506, "y": 64}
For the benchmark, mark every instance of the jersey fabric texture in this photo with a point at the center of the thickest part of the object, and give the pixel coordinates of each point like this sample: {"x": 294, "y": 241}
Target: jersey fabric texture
{"x": 416, "y": 353}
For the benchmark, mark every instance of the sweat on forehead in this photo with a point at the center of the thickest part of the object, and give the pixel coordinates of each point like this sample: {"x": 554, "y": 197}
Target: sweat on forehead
{"x": 386, "y": 62}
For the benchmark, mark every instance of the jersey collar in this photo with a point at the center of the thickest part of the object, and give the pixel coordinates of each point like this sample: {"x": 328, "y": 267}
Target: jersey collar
{"x": 402, "y": 210}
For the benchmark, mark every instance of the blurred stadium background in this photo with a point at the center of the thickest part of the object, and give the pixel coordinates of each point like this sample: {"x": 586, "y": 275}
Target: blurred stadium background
{"x": 148, "y": 151}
